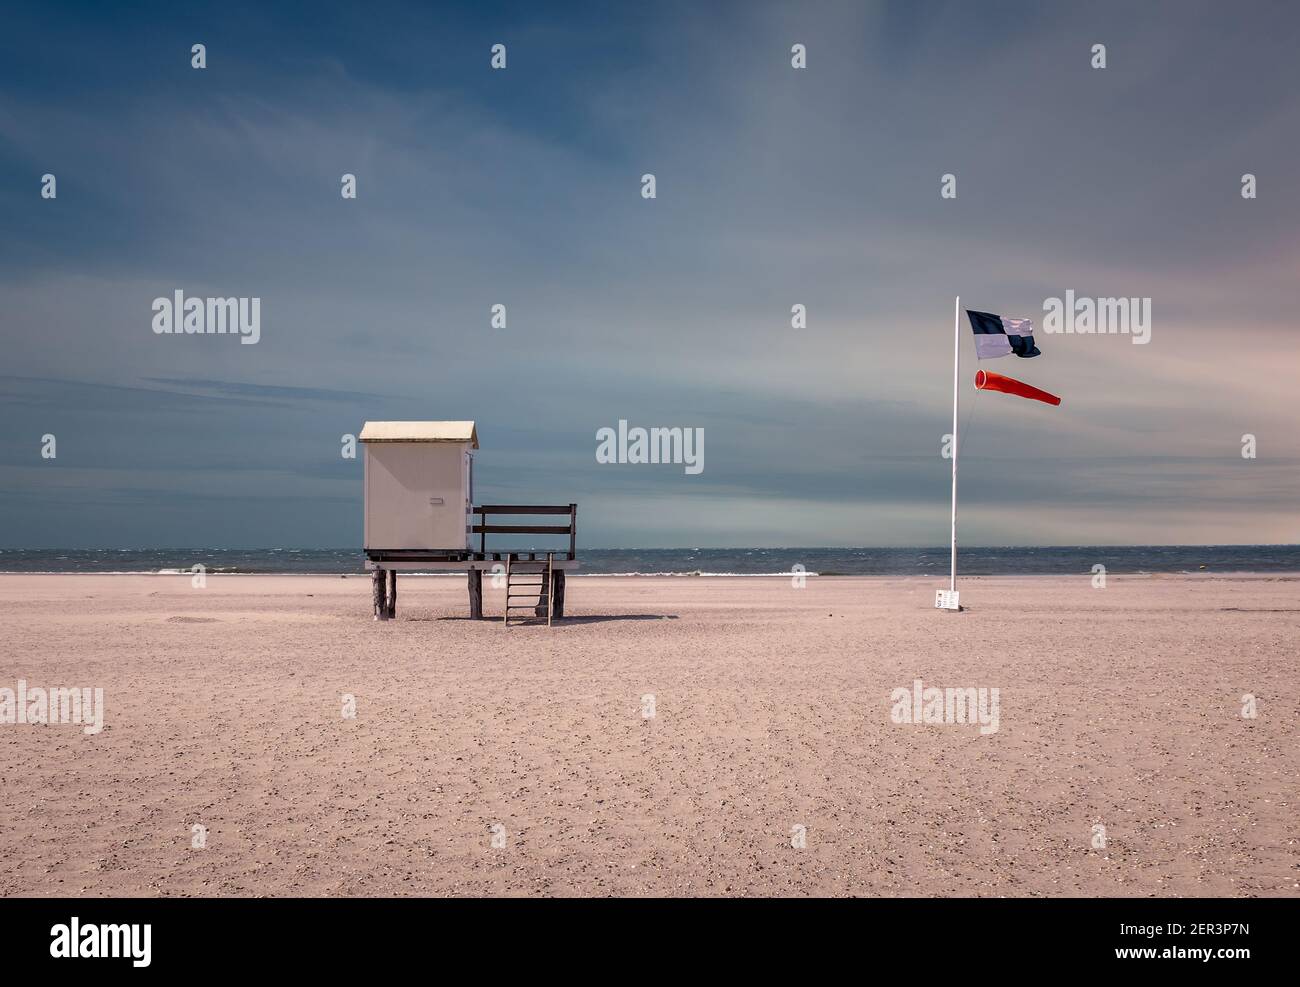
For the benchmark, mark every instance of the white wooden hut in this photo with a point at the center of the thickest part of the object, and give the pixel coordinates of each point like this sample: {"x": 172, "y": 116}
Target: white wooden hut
{"x": 419, "y": 485}
{"x": 419, "y": 516}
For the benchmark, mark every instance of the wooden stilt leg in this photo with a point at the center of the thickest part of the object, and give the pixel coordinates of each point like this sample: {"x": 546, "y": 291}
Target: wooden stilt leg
{"x": 377, "y": 593}
{"x": 392, "y": 593}
{"x": 543, "y": 598}
{"x": 557, "y": 594}
{"x": 476, "y": 594}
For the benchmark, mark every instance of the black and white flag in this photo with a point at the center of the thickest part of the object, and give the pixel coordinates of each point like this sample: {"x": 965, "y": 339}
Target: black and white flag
{"x": 996, "y": 335}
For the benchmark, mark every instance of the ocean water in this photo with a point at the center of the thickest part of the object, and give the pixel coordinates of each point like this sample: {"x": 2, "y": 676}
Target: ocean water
{"x": 707, "y": 561}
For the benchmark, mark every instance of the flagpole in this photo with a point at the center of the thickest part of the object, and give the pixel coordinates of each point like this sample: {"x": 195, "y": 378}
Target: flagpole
{"x": 956, "y": 367}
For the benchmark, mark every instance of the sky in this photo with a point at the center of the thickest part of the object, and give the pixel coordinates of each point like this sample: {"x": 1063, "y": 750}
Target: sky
{"x": 775, "y": 186}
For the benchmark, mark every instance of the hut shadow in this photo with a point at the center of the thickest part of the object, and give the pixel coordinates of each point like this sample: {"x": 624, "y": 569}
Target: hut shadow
{"x": 600, "y": 618}
{"x": 559, "y": 621}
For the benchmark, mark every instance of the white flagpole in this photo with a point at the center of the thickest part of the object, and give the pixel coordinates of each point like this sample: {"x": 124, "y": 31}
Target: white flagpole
{"x": 956, "y": 368}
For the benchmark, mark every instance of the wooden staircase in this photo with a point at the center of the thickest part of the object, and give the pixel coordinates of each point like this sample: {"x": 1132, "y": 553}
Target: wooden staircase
{"x": 520, "y": 586}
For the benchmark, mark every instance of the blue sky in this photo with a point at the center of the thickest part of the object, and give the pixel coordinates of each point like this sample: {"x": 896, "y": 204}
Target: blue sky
{"x": 775, "y": 186}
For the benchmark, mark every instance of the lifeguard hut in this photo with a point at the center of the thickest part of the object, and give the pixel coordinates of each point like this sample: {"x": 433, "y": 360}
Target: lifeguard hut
{"x": 420, "y": 514}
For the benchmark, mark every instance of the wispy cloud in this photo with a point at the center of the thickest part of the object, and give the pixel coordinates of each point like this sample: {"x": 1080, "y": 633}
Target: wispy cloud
{"x": 776, "y": 187}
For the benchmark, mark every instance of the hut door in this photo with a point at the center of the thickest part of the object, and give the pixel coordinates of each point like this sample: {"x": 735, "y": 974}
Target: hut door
{"x": 403, "y": 496}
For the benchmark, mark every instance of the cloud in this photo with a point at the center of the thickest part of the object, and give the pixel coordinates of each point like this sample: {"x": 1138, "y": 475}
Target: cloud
{"x": 776, "y": 187}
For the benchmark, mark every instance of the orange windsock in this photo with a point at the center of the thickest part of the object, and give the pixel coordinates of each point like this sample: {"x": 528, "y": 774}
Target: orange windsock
{"x": 987, "y": 380}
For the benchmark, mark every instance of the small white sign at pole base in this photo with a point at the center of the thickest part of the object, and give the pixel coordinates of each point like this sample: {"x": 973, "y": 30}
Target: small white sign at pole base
{"x": 947, "y": 599}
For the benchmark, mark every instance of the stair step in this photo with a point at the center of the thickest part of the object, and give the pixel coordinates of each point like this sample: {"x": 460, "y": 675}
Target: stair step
{"x": 529, "y": 580}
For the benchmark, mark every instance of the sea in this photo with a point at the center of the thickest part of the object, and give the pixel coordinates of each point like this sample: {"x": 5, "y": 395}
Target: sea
{"x": 973, "y": 561}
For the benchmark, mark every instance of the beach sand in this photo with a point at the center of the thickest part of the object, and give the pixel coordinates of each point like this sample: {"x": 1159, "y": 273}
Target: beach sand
{"x": 1119, "y": 707}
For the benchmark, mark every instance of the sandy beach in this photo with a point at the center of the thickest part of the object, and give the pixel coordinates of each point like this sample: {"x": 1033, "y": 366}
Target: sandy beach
{"x": 224, "y": 707}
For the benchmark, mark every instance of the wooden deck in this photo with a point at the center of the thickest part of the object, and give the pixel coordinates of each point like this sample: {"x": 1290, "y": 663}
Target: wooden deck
{"x": 385, "y": 564}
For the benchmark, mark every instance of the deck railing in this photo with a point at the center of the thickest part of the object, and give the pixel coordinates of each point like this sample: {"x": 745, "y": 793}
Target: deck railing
{"x": 483, "y": 529}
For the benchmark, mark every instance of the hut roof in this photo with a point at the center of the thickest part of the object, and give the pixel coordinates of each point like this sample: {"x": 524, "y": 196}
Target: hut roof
{"x": 420, "y": 432}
